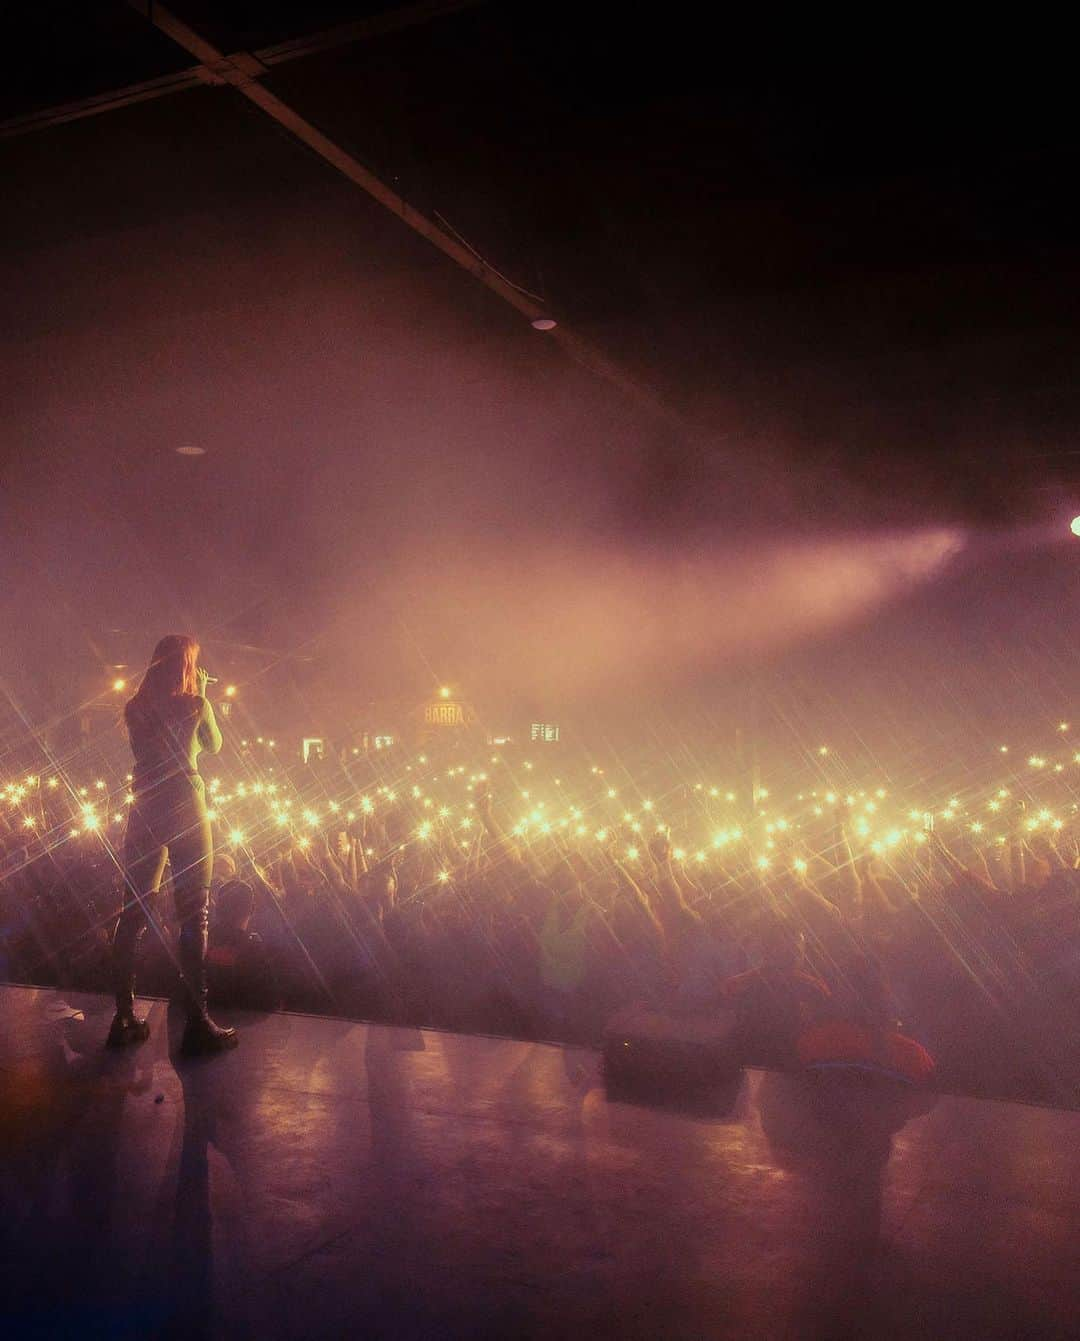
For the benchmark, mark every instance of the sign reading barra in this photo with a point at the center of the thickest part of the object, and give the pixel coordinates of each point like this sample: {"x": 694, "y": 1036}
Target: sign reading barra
{"x": 443, "y": 714}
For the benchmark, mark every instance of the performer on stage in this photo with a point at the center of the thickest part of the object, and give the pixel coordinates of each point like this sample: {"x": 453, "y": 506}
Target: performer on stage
{"x": 169, "y": 721}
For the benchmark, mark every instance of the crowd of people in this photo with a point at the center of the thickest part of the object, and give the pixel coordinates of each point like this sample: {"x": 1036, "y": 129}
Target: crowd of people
{"x": 538, "y": 895}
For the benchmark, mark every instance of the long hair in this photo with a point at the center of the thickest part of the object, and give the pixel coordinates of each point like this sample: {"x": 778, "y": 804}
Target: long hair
{"x": 170, "y": 676}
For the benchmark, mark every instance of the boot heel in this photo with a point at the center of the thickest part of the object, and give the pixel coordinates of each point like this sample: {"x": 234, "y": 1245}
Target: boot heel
{"x": 126, "y": 1030}
{"x": 204, "y": 1037}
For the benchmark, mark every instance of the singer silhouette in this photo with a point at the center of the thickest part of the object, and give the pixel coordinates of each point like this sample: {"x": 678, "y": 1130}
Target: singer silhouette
{"x": 169, "y": 722}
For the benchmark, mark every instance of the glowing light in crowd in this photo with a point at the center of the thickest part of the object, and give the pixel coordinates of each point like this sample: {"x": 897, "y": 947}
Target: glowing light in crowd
{"x": 230, "y": 692}
{"x": 119, "y": 685}
{"x": 877, "y": 820}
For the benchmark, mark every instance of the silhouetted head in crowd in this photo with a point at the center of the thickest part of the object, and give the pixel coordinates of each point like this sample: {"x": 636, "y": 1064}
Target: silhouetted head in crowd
{"x": 562, "y": 880}
{"x": 235, "y": 905}
{"x": 224, "y": 866}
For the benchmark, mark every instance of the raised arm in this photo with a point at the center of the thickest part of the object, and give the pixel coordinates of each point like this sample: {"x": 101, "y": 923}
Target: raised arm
{"x": 208, "y": 730}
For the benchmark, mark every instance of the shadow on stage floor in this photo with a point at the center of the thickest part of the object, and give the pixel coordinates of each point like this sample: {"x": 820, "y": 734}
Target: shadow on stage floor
{"x": 335, "y": 1179}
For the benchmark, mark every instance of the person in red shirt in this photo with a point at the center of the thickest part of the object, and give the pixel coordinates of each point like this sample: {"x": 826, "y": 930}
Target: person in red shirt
{"x": 865, "y": 1034}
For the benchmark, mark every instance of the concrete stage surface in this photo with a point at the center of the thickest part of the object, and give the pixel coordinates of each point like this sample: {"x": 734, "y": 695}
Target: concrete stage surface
{"x": 335, "y": 1179}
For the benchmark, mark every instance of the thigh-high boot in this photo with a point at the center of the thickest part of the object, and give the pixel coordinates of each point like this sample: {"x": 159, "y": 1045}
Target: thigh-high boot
{"x": 126, "y": 1028}
{"x": 201, "y": 1034}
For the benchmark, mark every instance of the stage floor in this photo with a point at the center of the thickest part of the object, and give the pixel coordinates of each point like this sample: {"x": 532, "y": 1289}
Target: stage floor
{"x": 334, "y": 1179}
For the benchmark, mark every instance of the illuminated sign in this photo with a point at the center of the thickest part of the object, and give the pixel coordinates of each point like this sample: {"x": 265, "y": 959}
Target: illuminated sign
{"x": 444, "y": 714}
{"x": 383, "y": 742}
{"x": 544, "y": 731}
{"x": 312, "y": 745}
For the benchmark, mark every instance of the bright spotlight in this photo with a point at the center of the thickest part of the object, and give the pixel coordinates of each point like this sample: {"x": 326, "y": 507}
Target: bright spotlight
{"x": 1074, "y": 526}
{"x": 444, "y": 692}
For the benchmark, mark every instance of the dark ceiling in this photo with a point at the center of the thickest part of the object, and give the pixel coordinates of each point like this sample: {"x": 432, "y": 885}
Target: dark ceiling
{"x": 794, "y": 221}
